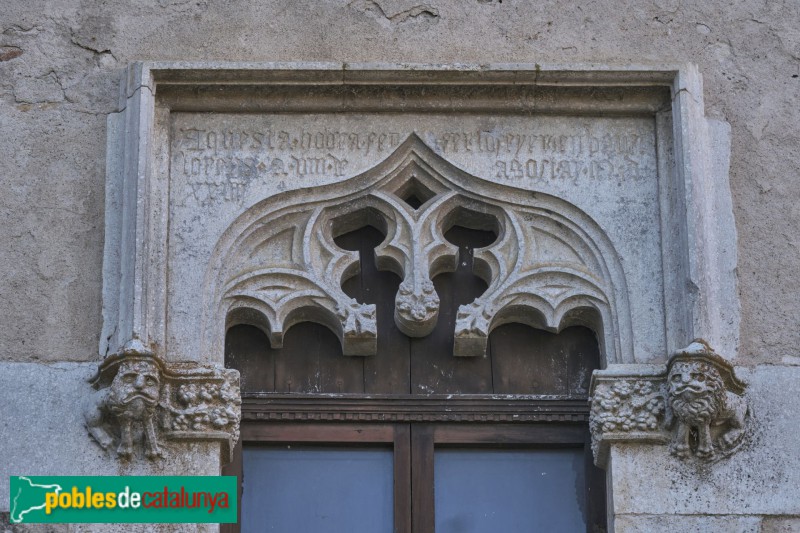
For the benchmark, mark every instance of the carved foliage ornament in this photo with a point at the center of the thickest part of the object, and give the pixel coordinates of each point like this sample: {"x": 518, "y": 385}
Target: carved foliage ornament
{"x": 138, "y": 394}
{"x": 697, "y": 404}
{"x": 550, "y": 266}
{"x": 626, "y": 409}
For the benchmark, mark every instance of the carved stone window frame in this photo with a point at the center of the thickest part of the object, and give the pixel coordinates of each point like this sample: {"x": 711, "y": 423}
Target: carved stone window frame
{"x": 299, "y": 228}
{"x": 698, "y": 232}
{"x": 698, "y": 238}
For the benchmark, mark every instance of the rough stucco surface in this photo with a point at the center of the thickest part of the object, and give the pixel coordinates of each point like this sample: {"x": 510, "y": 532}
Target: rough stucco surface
{"x": 60, "y": 63}
{"x": 688, "y": 524}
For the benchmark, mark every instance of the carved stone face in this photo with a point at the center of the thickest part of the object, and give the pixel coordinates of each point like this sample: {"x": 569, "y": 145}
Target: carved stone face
{"x": 137, "y": 380}
{"x": 693, "y": 380}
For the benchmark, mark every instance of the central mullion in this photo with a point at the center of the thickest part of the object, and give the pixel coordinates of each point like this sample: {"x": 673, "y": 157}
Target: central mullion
{"x": 422, "y": 489}
{"x": 402, "y": 478}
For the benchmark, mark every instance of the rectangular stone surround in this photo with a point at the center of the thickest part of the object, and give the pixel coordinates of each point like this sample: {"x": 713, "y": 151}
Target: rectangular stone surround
{"x": 198, "y": 144}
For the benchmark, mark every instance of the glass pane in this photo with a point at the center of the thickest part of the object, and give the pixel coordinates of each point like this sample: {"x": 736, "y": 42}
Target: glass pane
{"x": 513, "y": 491}
{"x": 311, "y": 490}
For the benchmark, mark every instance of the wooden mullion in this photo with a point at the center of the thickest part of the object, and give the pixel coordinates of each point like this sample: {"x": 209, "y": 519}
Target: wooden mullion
{"x": 422, "y": 478}
{"x": 402, "y": 478}
{"x": 234, "y": 468}
{"x": 595, "y": 487}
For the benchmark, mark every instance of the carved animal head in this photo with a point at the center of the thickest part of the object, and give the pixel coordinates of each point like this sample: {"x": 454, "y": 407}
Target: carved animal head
{"x": 694, "y": 379}
{"x": 696, "y": 390}
{"x": 136, "y": 382}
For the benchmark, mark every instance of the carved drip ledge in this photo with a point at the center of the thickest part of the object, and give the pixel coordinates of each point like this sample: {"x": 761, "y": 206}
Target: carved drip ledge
{"x": 695, "y": 403}
{"x": 137, "y": 392}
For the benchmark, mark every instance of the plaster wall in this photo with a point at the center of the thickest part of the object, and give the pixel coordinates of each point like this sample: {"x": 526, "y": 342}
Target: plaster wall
{"x": 61, "y": 65}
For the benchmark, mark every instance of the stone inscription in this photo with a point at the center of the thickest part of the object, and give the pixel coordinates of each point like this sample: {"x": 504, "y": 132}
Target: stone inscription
{"x": 220, "y": 164}
{"x": 544, "y": 157}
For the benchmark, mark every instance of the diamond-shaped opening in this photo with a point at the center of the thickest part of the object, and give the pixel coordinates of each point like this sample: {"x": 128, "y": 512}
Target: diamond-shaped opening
{"x": 413, "y": 201}
{"x": 414, "y": 193}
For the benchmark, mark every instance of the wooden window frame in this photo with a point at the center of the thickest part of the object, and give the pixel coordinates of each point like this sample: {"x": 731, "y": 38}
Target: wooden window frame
{"x": 414, "y": 426}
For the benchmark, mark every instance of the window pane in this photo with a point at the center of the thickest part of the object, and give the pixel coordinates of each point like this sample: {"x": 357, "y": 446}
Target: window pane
{"x": 488, "y": 491}
{"x": 311, "y": 489}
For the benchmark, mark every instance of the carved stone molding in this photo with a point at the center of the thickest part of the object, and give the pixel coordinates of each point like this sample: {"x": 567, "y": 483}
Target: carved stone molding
{"x": 627, "y": 405}
{"x": 174, "y": 218}
{"x": 137, "y": 392}
{"x": 394, "y": 408}
{"x": 551, "y": 266}
{"x": 696, "y": 403}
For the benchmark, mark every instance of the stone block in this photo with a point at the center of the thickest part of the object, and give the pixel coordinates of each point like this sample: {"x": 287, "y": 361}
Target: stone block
{"x": 687, "y": 524}
{"x": 762, "y": 477}
{"x": 780, "y": 524}
{"x": 42, "y": 431}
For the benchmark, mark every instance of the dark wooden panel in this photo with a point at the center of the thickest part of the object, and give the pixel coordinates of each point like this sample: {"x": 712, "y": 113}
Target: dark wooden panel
{"x": 434, "y": 368}
{"x": 311, "y": 361}
{"x": 526, "y": 360}
{"x": 583, "y": 353}
{"x": 247, "y": 350}
{"x": 322, "y": 432}
{"x": 530, "y": 361}
{"x": 387, "y": 372}
{"x": 500, "y": 434}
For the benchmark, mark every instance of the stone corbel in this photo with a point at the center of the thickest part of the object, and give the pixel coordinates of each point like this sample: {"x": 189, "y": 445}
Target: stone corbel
{"x": 138, "y": 393}
{"x": 695, "y": 403}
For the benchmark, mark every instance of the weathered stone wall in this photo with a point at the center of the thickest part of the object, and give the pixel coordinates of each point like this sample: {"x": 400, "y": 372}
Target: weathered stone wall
{"x": 60, "y": 68}
{"x": 60, "y": 65}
